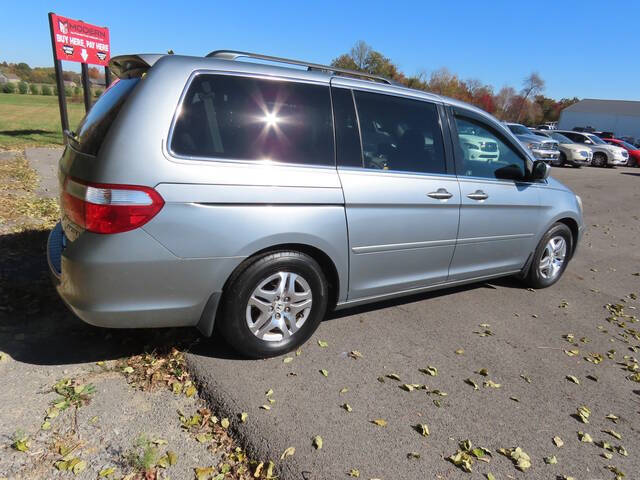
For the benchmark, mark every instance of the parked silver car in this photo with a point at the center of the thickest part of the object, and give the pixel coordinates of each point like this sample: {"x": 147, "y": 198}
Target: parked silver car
{"x": 545, "y": 150}
{"x": 571, "y": 153}
{"x": 604, "y": 155}
{"x": 202, "y": 190}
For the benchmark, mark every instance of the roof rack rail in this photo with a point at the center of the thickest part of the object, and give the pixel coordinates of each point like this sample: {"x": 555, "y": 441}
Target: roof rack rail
{"x": 235, "y": 54}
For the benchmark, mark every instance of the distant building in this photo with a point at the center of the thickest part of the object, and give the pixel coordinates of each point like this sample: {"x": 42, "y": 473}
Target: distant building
{"x": 9, "y": 78}
{"x": 97, "y": 82}
{"x": 621, "y": 117}
{"x": 69, "y": 83}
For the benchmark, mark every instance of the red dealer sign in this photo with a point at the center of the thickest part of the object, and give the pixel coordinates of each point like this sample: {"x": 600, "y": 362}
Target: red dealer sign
{"x": 77, "y": 41}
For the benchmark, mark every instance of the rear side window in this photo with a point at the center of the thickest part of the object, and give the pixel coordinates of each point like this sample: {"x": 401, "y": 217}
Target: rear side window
{"x": 348, "y": 150}
{"x": 94, "y": 126}
{"x": 400, "y": 134}
{"x": 244, "y": 118}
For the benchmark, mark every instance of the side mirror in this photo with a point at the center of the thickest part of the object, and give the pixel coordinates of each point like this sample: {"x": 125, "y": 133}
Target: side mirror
{"x": 540, "y": 170}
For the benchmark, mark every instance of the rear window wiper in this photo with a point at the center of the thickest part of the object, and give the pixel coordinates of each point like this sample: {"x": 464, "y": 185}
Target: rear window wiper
{"x": 72, "y": 135}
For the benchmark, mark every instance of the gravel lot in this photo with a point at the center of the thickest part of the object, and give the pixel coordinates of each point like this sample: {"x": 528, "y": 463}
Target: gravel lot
{"x": 404, "y": 336}
{"x": 42, "y": 343}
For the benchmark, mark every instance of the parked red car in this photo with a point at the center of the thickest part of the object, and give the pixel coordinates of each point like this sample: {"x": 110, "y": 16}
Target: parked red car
{"x": 634, "y": 152}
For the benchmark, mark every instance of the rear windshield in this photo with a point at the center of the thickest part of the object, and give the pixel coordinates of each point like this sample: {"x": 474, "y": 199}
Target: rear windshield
{"x": 95, "y": 125}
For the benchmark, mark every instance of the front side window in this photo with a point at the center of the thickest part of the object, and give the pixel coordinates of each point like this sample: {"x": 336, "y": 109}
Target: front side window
{"x": 242, "y": 118}
{"x": 400, "y": 134}
{"x": 485, "y": 153}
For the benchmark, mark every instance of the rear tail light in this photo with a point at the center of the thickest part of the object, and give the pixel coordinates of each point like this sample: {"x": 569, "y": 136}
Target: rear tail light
{"x": 106, "y": 208}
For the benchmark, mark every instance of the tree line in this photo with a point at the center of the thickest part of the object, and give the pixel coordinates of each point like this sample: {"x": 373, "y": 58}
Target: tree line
{"x": 528, "y": 105}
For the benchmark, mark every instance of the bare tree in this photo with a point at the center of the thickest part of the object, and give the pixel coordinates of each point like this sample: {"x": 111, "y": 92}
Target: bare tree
{"x": 360, "y": 54}
{"x": 532, "y": 86}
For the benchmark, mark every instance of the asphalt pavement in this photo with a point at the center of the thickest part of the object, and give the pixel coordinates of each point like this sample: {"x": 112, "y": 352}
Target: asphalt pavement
{"x": 517, "y": 335}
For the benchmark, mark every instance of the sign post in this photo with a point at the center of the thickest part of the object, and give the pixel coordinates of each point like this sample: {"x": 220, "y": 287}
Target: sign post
{"x": 62, "y": 99}
{"x": 77, "y": 41}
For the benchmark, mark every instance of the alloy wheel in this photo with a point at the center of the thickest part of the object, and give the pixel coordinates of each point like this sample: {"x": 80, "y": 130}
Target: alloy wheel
{"x": 279, "y": 306}
{"x": 553, "y": 257}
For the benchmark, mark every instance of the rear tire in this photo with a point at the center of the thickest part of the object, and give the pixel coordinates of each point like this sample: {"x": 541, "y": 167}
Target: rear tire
{"x": 274, "y": 305}
{"x": 551, "y": 257}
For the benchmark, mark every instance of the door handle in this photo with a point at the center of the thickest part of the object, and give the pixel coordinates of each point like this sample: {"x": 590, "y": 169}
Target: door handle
{"x": 440, "y": 194}
{"x": 478, "y": 195}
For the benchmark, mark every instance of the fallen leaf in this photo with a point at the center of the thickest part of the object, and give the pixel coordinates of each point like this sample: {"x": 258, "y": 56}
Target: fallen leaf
{"x": 613, "y": 433}
{"x": 355, "y": 354}
{"x": 393, "y": 376}
{"x": 483, "y": 371}
{"x": 612, "y": 417}
{"x": 558, "y": 441}
{"x": 584, "y": 413}
{"x": 422, "y": 429}
{"x": 243, "y": 417}
{"x": 317, "y": 442}
{"x": 459, "y": 351}
{"x": 347, "y": 407}
{"x": 573, "y": 352}
{"x": 265, "y": 407}
{"x": 204, "y": 437}
{"x": 525, "y": 378}
{"x": 105, "y": 472}
{"x": 287, "y": 360}
{"x": 323, "y": 344}
{"x": 224, "y": 423}
{"x": 343, "y": 390}
{"x": 491, "y": 384}
{"x": 573, "y": 379}
{"x": 288, "y": 452}
{"x": 407, "y": 387}
{"x": 552, "y": 460}
{"x": 415, "y": 455}
{"x": 380, "y": 422}
{"x": 204, "y": 473}
{"x": 472, "y": 383}
{"x": 433, "y": 371}
{"x": 354, "y": 473}
{"x": 585, "y": 437}
{"x": 324, "y": 372}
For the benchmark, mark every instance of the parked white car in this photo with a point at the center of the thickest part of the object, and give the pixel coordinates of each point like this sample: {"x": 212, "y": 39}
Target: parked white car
{"x": 571, "y": 153}
{"x": 604, "y": 155}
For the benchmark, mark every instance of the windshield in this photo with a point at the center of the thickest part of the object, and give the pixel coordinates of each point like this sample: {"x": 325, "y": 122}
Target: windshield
{"x": 561, "y": 138}
{"x": 519, "y": 129}
{"x": 628, "y": 146}
{"x": 597, "y": 140}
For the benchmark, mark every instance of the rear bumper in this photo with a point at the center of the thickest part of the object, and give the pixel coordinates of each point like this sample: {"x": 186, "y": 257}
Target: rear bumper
{"x": 129, "y": 280}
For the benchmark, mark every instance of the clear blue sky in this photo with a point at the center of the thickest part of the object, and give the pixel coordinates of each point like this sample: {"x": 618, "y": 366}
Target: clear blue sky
{"x": 588, "y": 49}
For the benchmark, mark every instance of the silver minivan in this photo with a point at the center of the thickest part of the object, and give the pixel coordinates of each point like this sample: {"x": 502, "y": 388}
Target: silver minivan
{"x": 244, "y": 191}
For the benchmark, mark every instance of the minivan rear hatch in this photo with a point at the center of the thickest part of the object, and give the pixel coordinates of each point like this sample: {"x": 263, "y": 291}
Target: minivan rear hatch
{"x": 81, "y": 160}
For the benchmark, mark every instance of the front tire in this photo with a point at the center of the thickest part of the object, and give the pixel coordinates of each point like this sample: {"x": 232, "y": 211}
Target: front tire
{"x": 551, "y": 257}
{"x": 599, "y": 160}
{"x": 562, "y": 160}
{"x": 274, "y": 305}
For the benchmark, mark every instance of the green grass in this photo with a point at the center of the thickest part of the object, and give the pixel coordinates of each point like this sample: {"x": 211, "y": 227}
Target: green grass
{"x": 33, "y": 120}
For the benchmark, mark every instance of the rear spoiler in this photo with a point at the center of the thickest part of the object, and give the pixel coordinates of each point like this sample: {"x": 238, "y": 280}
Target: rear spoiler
{"x": 133, "y": 66}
